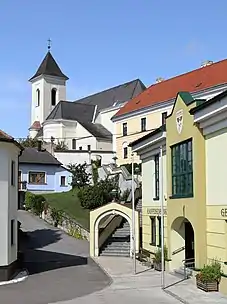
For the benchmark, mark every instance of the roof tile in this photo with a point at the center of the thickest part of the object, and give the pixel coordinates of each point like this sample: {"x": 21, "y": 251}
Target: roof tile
{"x": 194, "y": 81}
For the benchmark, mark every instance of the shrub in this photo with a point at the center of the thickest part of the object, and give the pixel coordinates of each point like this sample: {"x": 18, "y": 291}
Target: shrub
{"x": 158, "y": 255}
{"x": 29, "y": 200}
{"x": 210, "y": 273}
{"x": 98, "y": 195}
{"x": 39, "y": 203}
{"x": 80, "y": 176}
{"x": 124, "y": 196}
{"x": 57, "y": 216}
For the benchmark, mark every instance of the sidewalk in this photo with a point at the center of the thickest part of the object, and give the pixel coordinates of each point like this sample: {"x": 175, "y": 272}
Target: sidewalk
{"x": 121, "y": 271}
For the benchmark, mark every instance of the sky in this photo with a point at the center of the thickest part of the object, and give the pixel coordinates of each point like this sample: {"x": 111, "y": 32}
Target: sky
{"x": 102, "y": 43}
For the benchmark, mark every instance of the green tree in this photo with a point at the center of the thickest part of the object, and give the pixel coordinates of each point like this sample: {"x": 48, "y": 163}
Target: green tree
{"x": 61, "y": 146}
{"x": 28, "y": 142}
{"x": 80, "y": 176}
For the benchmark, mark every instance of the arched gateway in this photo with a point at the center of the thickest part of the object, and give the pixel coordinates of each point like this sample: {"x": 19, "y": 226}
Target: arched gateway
{"x": 110, "y": 216}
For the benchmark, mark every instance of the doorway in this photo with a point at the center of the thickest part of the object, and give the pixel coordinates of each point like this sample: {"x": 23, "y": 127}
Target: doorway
{"x": 189, "y": 243}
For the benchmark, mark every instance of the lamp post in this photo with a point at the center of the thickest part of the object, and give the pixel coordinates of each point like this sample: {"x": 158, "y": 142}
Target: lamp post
{"x": 162, "y": 218}
{"x": 133, "y": 219}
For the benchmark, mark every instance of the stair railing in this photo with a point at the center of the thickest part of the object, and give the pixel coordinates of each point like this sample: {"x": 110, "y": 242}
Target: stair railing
{"x": 188, "y": 264}
{"x": 178, "y": 250}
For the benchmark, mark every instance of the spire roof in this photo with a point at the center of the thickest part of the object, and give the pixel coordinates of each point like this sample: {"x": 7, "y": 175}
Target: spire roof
{"x": 49, "y": 67}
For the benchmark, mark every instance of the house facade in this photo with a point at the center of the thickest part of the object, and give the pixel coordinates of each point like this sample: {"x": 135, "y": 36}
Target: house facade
{"x": 191, "y": 173}
{"x": 42, "y": 172}
{"x": 84, "y": 124}
{"x": 148, "y": 110}
{"x": 9, "y": 152}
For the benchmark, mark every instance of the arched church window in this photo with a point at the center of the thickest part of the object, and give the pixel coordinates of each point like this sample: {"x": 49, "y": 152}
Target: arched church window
{"x": 37, "y": 97}
{"x": 53, "y": 97}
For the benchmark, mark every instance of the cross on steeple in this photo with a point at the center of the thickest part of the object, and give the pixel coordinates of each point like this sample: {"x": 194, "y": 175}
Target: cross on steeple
{"x": 49, "y": 44}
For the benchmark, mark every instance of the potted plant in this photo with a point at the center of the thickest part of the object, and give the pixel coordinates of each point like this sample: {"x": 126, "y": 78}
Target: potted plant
{"x": 209, "y": 277}
{"x": 157, "y": 260}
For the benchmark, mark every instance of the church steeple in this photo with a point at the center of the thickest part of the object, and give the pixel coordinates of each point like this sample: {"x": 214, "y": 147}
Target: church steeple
{"x": 49, "y": 67}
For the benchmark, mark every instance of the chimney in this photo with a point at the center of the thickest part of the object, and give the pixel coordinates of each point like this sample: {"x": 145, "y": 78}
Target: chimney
{"x": 39, "y": 145}
{"x": 159, "y": 79}
{"x": 206, "y": 63}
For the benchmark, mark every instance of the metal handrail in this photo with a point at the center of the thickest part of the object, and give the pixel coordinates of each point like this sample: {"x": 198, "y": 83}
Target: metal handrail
{"x": 178, "y": 250}
{"x": 187, "y": 263}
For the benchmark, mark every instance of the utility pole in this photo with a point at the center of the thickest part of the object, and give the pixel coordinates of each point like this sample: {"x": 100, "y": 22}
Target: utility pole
{"x": 133, "y": 218}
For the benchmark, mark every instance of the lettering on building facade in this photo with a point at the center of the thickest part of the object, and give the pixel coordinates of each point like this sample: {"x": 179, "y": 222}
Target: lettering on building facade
{"x": 224, "y": 212}
{"x": 155, "y": 211}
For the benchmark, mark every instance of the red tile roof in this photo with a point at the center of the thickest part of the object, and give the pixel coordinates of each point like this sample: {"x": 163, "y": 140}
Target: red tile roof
{"x": 194, "y": 81}
{"x": 4, "y": 137}
{"x": 36, "y": 125}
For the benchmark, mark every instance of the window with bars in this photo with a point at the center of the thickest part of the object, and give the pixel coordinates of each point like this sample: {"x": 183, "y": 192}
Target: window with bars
{"x": 182, "y": 169}
{"x": 125, "y": 152}
{"x": 74, "y": 144}
{"x": 143, "y": 124}
{"x": 63, "y": 181}
{"x": 37, "y": 178}
{"x": 156, "y": 161}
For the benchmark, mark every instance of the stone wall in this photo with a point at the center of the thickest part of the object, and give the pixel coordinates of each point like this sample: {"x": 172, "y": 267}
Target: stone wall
{"x": 67, "y": 224}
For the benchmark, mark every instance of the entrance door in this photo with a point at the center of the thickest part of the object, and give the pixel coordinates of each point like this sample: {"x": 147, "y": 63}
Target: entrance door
{"x": 189, "y": 242}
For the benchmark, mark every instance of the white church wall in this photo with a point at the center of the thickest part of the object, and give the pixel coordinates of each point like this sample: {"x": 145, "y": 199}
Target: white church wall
{"x": 104, "y": 145}
{"x": 53, "y": 129}
{"x": 80, "y": 157}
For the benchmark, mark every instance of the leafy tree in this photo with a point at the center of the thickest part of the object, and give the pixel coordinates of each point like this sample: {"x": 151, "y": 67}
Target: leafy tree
{"x": 29, "y": 142}
{"x": 80, "y": 176}
{"x": 61, "y": 146}
{"x": 98, "y": 195}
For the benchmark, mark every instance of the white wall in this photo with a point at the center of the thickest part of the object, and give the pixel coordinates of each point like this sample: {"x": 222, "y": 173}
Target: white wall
{"x": 104, "y": 145}
{"x": 45, "y": 84}
{"x": 79, "y": 157}
{"x": 216, "y": 168}
{"x": 148, "y": 181}
{"x": 9, "y": 203}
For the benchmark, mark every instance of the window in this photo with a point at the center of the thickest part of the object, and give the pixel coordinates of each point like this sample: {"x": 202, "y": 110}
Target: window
{"x": 159, "y": 231}
{"x": 37, "y": 178}
{"x": 89, "y": 147}
{"x": 12, "y": 228}
{"x": 153, "y": 231}
{"x": 13, "y": 173}
{"x": 143, "y": 124}
{"x": 80, "y": 148}
{"x": 182, "y": 172}
{"x": 63, "y": 181}
{"x": 125, "y": 131}
{"x": 74, "y": 144}
{"x": 19, "y": 179}
{"x": 37, "y": 97}
{"x": 164, "y": 115}
{"x": 156, "y": 162}
{"x": 53, "y": 97}
{"x": 125, "y": 152}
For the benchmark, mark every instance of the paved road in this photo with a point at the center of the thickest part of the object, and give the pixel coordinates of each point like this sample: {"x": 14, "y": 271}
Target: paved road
{"x": 59, "y": 266}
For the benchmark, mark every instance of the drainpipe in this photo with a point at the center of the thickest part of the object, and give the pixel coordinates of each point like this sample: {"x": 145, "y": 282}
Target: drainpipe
{"x": 162, "y": 219}
{"x": 133, "y": 218}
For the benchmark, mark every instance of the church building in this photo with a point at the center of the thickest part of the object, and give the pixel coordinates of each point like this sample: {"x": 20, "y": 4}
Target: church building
{"x": 82, "y": 125}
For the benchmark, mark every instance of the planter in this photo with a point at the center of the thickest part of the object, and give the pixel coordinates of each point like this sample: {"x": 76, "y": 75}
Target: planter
{"x": 207, "y": 286}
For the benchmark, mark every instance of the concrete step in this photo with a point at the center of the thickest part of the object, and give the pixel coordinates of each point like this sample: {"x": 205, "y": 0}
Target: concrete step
{"x": 112, "y": 249}
{"x": 180, "y": 271}
{"x": 118, "y": 244}
{"x": 121, "y": 254}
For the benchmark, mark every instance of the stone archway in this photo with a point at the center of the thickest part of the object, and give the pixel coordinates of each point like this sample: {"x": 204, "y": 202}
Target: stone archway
{"x": 107, "y": 210}
{"x": 182, "y": 240}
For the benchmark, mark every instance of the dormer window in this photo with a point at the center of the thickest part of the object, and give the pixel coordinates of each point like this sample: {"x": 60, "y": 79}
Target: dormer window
{"x": 53, "y": 97}
{"x": 37, "y": 97}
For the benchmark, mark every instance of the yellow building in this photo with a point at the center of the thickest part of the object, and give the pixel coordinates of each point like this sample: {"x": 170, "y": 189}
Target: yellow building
{"x": 147, "y": 111}
{"x": 192, "y": 177}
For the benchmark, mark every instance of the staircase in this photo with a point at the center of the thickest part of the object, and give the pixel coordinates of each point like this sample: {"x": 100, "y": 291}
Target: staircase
{"x": 118, "y": 244}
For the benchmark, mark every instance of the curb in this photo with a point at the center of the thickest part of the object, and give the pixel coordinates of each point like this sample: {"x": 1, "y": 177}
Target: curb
{"x": 172, "y": 294}
{"x": 104, "y": 270}
{"x": 20, "y": 277}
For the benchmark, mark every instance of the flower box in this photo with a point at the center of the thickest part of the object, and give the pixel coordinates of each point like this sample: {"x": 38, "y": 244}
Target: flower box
{"x": 207, "y": 286}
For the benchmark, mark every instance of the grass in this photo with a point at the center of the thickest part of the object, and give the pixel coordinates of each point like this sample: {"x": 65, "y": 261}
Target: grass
{"x": 70, "y": 204}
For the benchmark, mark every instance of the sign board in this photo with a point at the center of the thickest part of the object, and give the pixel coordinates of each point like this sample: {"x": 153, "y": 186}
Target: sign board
{"x": 155, "y": 211}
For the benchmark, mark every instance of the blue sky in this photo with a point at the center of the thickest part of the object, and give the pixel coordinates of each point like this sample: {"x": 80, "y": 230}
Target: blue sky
{"x": 100, "y": 43}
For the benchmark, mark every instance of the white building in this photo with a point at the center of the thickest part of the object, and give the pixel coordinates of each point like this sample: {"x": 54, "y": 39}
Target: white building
{"x": 9, "y": 152}
{"x": 83, "y": 125}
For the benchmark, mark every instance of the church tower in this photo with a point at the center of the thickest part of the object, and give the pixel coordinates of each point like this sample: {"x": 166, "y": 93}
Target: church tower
{"x": 48, "y": 88}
